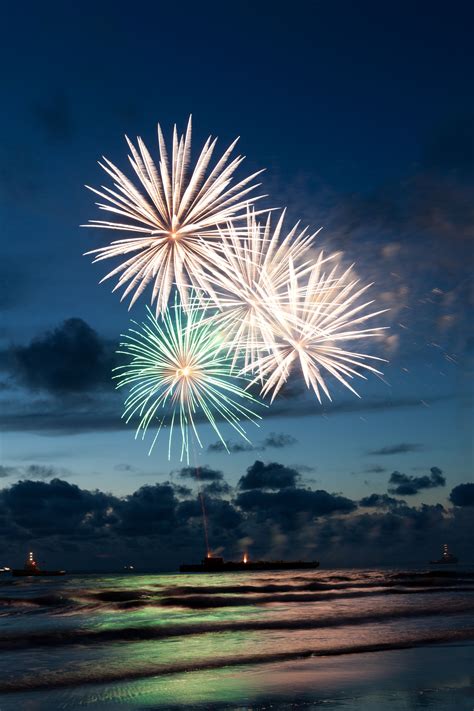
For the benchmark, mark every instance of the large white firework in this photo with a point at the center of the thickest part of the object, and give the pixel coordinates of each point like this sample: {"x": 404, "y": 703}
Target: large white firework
{"x": 174, "y": 213}
{"x": 311, "y": 329}
{"x": 250, "y": 277}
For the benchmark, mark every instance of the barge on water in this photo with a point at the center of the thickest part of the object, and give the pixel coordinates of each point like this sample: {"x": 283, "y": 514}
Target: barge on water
{"x": 215, "y": 564}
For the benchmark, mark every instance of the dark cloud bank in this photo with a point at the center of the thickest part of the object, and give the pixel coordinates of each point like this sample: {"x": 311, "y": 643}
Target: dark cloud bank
{"x": 70, "y": 359}
{"x": 73, "y": 361}
{"x": 271, "y": 512}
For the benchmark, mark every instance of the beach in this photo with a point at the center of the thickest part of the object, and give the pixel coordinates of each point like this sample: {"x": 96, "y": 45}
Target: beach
{"x": 340, "y": 639}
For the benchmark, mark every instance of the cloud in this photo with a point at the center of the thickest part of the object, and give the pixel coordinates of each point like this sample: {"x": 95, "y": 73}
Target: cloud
{"x": 377, "y": 469}
{"x": 160, "y": 525}
{"x": 148, "y": 511}
{"x": 286, "y": 506}
{"x": 41, "y": 471}
{"x": 223, "y": 516}
{"x": 70, "y": 359}
{"x": 307, "y": 407}
{"x": 402, "y": 448}
{"x": 217, "y": 488}
{"x": 104, "y": 415}
{"x": 201, "y": 473}
{"x": 56, "y": 508}
{"x": 38, "y": 471}
{"x": 279, "y": 440}
{"x": 275, "y": 440}
{"x": 436, "y": 199}
{"x": 304, "y": 468}
{"x": 462, "y": 495}
{"x": 268, "y": 476}
{"x": 414, "y": 241}
{"x": 380, "y": 501}
{"x": 407, "y": 485}
{"x": 230, "y": 446}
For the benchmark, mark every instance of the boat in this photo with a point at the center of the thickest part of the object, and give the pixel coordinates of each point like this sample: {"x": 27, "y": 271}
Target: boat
{"x": 446, "y": 557}
{"x": 215, "y": 564}
{"x": 31, "y": 569}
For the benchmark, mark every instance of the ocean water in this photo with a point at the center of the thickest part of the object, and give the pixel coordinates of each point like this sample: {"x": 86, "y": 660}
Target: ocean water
{"x": 337, "y": 639}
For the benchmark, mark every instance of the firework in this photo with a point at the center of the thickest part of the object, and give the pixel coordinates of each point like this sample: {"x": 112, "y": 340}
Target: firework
{"x": 249, "y": 278}
{"x": 173, "y": 216}
{"x": 311, "y": 328}
{"x": 180, "y": 373}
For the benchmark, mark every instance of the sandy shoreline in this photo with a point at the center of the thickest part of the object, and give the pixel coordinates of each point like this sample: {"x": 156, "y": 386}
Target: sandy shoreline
{"x": 432, "y": 677}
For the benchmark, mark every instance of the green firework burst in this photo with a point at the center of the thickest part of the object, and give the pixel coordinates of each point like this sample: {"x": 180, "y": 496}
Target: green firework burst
{"x": 179, "y": 372}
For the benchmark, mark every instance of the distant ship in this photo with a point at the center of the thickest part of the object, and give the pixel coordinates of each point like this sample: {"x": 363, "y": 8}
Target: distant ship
{"x": 31, "y": 569}
{"x": 447, "y": 557}
{"x": 215, "y": 564}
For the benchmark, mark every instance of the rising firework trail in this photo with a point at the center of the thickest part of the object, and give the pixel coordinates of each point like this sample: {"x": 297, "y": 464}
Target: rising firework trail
{"x": 179, "y": 373}
{"x": 172, "y": 215}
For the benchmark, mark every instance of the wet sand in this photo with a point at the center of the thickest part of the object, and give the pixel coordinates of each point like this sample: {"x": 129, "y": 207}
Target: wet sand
{"x": 434, "y": 677}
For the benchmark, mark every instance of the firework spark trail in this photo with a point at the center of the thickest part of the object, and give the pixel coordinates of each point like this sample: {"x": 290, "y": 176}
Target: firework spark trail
{"x": 307, "y": 328}
{"x": 249, "y": 278}
{"x": 176, "y": 218}
{"x": 179, "y": 371}
{"x": 274, "y": 308}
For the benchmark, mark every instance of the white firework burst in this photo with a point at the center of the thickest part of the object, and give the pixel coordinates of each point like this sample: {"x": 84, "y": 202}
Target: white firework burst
{"x": 311, "y": 328}
{"x": 174, "y": 214}
{"x": 249, "y": 281}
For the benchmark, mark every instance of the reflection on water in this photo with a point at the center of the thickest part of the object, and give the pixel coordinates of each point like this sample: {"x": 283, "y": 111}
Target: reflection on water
{"x": 348, "y": 639}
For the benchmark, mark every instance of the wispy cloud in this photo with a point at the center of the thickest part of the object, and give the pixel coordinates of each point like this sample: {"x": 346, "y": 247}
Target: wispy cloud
{"x": 275, "y": 440}
{"x": 102, "y": 415}
{"x": 35, "y": 471}
{"x": 402, "y": 448}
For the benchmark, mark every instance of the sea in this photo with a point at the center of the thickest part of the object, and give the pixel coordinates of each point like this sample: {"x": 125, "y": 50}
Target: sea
{"x": 345, "y": 639}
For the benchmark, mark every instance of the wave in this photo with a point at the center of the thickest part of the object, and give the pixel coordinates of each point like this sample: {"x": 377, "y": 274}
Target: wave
{"x": 428, "y": 579}
{"x": 142, "y": 634}
{"x": 215, "y": 601}
{"x": 210, "y": 596}
{"x": 100, "y": 675}
{"x": 122, "y": 600}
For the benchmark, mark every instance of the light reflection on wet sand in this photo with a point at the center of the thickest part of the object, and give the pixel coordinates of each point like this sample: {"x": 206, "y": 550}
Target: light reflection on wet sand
{"x": 165, "y": 642}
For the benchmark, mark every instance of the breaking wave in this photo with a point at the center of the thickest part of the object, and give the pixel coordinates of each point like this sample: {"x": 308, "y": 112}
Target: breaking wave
{"x": 49, "y": 681}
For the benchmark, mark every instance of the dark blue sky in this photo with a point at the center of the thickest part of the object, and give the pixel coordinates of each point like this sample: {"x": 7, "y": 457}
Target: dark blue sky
{"x": 363, "y": 116}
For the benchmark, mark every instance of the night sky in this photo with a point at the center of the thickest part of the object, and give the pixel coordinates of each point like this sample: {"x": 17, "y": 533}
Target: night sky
{"x": 363, "y": 117}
